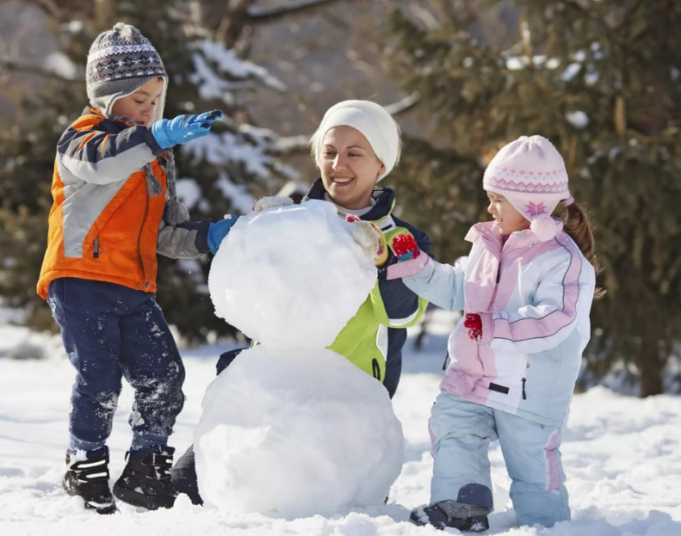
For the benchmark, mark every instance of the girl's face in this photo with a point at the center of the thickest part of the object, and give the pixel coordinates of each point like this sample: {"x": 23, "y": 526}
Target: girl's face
{"x": 508, "y": 219}
{"x": 349, "y": 167}
{"x": 140, "y": 105}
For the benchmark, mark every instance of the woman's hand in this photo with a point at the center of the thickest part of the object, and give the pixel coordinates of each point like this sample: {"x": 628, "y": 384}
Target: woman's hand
{"x": 370, "y": 238}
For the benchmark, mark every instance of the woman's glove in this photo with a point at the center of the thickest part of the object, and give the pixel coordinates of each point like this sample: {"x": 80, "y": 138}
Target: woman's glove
{"x": 370, "y": 238}
{"x": 274, "y": 201}
{"x": 479, "y": 327}
{"x": 218, "y": 231}
{"x": 184, "y": 128}
{"x": 410, "y": 259}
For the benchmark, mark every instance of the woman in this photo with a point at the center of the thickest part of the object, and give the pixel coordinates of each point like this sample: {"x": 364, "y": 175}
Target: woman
{"x": 356, "y": 145}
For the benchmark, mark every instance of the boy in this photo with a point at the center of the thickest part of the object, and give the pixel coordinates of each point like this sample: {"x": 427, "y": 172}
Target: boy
{"x": 114, "y": 208}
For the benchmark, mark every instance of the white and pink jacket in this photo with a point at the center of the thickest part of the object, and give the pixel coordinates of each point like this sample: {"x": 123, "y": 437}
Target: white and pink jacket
{"x": 534, "y": 298}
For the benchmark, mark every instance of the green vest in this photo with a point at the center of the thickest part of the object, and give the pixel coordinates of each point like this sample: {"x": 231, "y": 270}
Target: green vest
{"x": 364, "y": 339}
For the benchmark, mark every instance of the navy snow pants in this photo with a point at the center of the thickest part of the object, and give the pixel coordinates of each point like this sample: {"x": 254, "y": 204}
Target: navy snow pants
{"x": 109, "y": 332}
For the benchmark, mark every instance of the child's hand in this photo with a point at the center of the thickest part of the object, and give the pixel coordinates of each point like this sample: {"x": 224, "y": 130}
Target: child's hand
{"x": 370, "y": 238}
{"x": 410, "y": 258}
{"x": 218, "y": 231}
{"x": 479, "y": 327}
{"x": 473, "y": 325}
{"x": 406, "y": 248}
{"x": 183, "y": 128}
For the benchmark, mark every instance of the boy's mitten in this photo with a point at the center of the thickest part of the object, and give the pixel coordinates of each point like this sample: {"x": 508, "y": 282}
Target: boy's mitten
{"x": 184, "y": 128}
{"x": 274, "y": 201}
{"x": 370, "y": 238}
{"x": 411, "y": 259}
{"x": 218, "y": 231}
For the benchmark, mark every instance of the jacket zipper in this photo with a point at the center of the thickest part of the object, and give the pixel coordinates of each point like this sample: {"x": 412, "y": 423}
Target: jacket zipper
{"x": 139, "y": 241}
{"x": 524, "y": 395}
{"x": 444, "y": 365}
{"x": 95, "y": 251}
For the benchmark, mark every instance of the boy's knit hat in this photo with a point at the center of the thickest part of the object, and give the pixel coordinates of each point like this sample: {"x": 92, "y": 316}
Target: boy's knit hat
{"x": 531, "y": 174}
{"x": 121, "y": 61}
{"x": 372, "y": 120}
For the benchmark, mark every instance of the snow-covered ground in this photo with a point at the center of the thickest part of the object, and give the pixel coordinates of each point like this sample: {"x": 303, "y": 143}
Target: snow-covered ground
{"x": 622, "y": 456}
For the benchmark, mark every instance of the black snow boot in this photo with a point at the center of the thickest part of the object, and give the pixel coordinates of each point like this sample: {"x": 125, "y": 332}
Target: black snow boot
{"x": 452, "y": 514}
{"x": 145, "y": 481}
{"x": 89, "y": 479}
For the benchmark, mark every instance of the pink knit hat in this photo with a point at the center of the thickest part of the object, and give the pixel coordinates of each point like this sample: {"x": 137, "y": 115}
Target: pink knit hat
{"x": 531, "y": 174}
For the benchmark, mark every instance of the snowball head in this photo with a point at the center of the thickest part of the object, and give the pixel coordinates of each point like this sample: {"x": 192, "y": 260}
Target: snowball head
{"x": 296, "y": 433}
{"x": 291, "y": 276}
{"x": 545, "y": 227}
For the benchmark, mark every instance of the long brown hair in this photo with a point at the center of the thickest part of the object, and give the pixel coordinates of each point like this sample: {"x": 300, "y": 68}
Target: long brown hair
{"x": 576, "y": 224}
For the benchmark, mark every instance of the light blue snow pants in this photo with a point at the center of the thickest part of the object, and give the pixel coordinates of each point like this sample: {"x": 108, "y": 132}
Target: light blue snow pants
{"x": 462, "y": 431}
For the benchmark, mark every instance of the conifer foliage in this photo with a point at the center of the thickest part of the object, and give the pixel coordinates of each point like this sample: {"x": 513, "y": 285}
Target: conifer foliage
{"x": 601, "y": 80}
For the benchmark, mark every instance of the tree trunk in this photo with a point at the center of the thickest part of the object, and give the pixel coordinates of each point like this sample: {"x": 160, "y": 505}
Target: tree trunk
{"x": 650, "y": 361}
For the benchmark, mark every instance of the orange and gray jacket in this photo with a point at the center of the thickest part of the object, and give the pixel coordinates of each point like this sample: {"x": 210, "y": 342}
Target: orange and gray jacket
{"x": 104, "y": 225}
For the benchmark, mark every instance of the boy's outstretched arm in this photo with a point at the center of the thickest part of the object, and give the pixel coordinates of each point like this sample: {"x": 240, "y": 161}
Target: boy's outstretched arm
{"x": 95, "y": 151}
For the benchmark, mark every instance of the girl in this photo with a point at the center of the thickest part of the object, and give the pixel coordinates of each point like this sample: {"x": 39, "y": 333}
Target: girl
{"x": 526, "y": 291}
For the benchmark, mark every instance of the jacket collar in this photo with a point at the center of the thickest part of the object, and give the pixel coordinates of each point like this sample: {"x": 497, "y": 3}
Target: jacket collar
{"x": 487, "y": 233}
{"x": 89, "y": 110}
{"x": 384, "y": 197}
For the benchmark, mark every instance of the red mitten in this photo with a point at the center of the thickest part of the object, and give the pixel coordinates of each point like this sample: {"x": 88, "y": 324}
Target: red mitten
{"x": 473, "y": 325}
{"x": 406, "y": 248}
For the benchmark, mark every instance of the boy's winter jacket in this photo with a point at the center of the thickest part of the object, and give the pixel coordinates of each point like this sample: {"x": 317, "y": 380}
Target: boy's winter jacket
{"x": 374, "y": 337}
{"x": 104, "y": 225}
{"x": 539, "y": 295}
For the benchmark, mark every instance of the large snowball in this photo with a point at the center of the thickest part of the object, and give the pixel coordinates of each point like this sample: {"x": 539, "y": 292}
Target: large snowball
{"x": 296, "y": 433}
{"x": 290, "y": 277}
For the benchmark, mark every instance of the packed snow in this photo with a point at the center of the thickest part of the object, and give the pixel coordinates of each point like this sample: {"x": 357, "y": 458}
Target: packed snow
{"x": 622, "y": 457}
{"x": 296, "y": 433}
{"x": 290, "y": 277}
{"x": 290, "y": 428}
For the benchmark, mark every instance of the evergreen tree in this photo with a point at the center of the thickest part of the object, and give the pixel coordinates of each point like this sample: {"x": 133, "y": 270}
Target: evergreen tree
{"x": 601, "y": 80}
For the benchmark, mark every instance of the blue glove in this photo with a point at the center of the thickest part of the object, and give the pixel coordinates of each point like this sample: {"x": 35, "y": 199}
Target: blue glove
{"x": 218, "y": 231}
{"x": 184, "y": 128}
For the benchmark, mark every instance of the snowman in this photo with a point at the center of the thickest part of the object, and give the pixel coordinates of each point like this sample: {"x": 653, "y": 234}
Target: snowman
{"x": 290, "y": 428}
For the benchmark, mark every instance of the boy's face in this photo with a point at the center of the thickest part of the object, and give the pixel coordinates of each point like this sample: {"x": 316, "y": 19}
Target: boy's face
{"x": 140, "y": 105}
{"x": 508, "y": 219}
{"x": 349, "y": 167}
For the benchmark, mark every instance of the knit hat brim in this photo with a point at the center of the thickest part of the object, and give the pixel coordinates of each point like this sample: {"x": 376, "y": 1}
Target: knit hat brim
{"x": 124, "y": 88}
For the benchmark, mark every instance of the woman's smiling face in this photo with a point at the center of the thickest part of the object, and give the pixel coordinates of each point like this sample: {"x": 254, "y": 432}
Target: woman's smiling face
{"x": 349, "y": 167}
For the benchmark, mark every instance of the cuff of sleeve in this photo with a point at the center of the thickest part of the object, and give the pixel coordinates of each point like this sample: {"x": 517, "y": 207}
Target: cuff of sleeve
{"x": 201, "y": 228}
{"x": 150, "y": 140}
{"x": 407, "y": 268}
{"x": 487, "y": 328}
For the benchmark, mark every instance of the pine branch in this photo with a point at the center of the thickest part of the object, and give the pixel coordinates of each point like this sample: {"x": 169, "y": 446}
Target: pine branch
{"x": 18, "y": 67}
{"x": 264, "y": 16}
{"x": 299, "y": 144}
{"x": 404, "y": 105}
